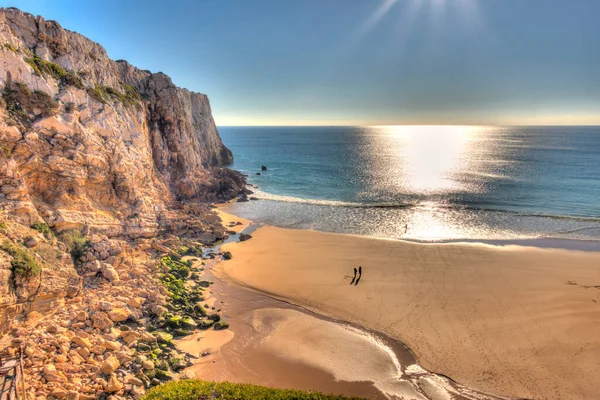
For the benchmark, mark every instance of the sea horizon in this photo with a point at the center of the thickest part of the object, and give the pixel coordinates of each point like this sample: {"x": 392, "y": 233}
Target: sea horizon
{"x": 493, "y": 184}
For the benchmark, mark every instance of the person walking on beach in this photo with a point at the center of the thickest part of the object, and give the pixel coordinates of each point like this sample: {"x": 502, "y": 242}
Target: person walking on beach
{"x": 359, "y": 275}
{"x": 354, "y": 278}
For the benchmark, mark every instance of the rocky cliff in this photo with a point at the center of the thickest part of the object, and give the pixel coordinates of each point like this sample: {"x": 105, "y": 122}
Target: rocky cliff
{"x": 97, "y": 144}
{"x": 96, "y": 147}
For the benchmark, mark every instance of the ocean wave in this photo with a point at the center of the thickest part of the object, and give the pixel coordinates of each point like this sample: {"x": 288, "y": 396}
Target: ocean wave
{"x": 414, "y": 205}
{"x": 331, "y": 203}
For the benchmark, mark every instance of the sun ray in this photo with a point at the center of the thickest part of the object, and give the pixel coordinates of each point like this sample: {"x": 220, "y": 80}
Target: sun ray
{"x": 376, "y": 17}
{"x": 405, "y": 24}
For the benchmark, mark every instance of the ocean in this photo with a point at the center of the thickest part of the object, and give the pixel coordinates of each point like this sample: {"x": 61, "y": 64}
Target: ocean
{"x": 424, "y": 183}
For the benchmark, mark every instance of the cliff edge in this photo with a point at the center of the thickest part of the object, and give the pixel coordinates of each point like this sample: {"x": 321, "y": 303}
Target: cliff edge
{"x": 99, "y": 145}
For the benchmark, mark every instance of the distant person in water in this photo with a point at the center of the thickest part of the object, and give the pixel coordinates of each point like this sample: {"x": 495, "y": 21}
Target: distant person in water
{"x": 405, "y": 228}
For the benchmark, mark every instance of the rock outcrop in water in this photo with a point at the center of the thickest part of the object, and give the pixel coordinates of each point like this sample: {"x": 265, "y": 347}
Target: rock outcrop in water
{"x": 98, "y": 146}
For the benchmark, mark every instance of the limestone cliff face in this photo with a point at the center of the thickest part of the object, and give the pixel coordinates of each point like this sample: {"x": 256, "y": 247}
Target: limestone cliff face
{"x": 96, "y": 144}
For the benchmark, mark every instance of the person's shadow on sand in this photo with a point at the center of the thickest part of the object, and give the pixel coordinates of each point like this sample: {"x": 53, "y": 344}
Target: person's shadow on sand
{"x": 359, "y": 276}
{"x": 353, "y": 278}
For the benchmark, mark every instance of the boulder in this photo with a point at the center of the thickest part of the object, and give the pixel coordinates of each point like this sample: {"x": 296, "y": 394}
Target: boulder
{"x": 32, "y": 241}
{"x": 110, "y": 365}
{"x": 102, "y": 321}
{"x": 135, "y": 302}
{"x": 119, "y": 314}
{"x": 148, "y": 365}
{"x": 113, "y": 385}
{"x": 244, "y": 237}
{"x": 59, "y": 393}
{"x": 83, "y": 342}
{"x": 110, "y": 274}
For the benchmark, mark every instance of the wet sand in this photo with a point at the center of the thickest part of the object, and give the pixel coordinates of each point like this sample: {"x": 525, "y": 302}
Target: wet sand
{"x": 231, "y": 222}
{"x": 514, "y": 321}
{"x": 277, "y": 344}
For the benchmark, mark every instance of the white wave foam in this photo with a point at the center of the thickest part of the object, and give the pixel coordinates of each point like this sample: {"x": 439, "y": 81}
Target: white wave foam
{"x": 336, "y": 203}
{"x": 290, "y": 199}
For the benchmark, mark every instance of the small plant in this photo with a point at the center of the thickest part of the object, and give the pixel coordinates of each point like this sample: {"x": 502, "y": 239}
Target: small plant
{"x": 11, "y": 47}
{"x": 98, "y": 93}
{"x": 69, "y": 107}
{"x": 23, "y": 263}
{"x": 6, "y": 151}
{"x": 43, "y": 228}
{"x": 105, "y": 93}
{"x": 227, "y": 255}
{"x": 42, "y": 67}
{"x": 76, "y": 243}
{"x": 24, "y": 106}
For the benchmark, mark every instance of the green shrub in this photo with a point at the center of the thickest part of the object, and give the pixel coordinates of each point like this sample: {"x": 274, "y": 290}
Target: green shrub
{"x": 45, "y": 68}
{"x": 106, "y": 93}
{"x": 76, "y": 243}
{"x": 21, "y": 102}
{"x": 43, "y": 228}
{"x": 132, "y": 94}
{"x": 11, "y": 47}
{"x": 201, "y": 390}
{"x": 227, "y": 255}
{"x": 23, "y": 263}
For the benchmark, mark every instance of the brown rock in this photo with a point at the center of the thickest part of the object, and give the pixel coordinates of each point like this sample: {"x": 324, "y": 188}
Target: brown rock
{"x": 73, "y": 395}
{"x": 148, "y": 365}
{"x": 59, "y": 393}
{"x": 113, "y": 385}
{"x": 102, "y": 321}
{"x": 110, "y": 274}
{"x": 110, "y": 365}
{"x": 135, "y": 302}
{"x": 134, "y": 381}
{"x": 98, "y": 349}
{"x": 81, "y": 316}
{"x": 119, "y": 314}
{"x": 80, "y": 341}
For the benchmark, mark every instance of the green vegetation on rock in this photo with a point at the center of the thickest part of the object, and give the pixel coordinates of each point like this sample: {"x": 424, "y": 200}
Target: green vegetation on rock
{"x": 24, "y": 106}
{"x": 200, "y": 390}
{"x": 105, "y": 93}
{"x": 11, "y": 47}
{"x": 45, "y": 68}
{"x": 185, "y": 312}
{"x": 43, "y": 228}
{"x": 23, "y": 263}
{"x": 227, "y": 255}
{"x": 76, "y": 243}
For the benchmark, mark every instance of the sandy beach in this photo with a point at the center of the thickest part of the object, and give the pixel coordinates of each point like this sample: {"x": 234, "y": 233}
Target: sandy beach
{"x": 512, "y": 321}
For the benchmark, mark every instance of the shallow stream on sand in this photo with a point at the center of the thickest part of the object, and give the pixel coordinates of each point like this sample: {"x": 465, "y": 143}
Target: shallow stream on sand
{"x": 278, "y": 344}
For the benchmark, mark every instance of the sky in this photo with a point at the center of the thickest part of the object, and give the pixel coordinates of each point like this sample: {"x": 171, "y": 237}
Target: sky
{"x": 360, "y": 62}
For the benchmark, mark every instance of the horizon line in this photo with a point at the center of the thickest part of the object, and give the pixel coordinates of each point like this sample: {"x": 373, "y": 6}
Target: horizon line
{"x": 392, "y": 125}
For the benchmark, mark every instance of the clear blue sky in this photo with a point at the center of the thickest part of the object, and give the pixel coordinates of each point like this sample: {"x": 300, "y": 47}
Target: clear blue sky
{"x": 360, "y": 62}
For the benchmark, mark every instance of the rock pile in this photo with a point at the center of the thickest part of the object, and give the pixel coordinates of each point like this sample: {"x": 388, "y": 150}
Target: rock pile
{"x": 112, "y": 340}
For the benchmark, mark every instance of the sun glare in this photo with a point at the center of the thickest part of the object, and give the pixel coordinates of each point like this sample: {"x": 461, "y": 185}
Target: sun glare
{"x": 430, "y": 154}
